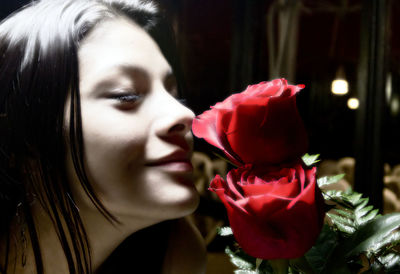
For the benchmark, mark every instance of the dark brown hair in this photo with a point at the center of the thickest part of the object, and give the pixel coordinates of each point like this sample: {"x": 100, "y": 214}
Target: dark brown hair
{"x": 38, "y": 72}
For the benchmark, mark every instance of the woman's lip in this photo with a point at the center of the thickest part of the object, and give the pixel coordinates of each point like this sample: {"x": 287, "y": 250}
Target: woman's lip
{"x": 174, "y": 166}
{"x": 177, "y": 156}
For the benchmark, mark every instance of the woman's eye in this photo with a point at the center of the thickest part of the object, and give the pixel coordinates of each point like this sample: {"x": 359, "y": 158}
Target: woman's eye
{"x": 125, "y": 101}
{"x": 126, "y": 98}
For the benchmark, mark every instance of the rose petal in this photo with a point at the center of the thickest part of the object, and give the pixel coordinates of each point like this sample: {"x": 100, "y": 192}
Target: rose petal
{"x": 270, "y": 226}
{"x": 263, "y": 241}
{"x": 288, "y": 190}
{"x": 260, "y": 125}
{"x": 267, "y": 133}
{"x": 208, "y": 126}
{"x": 204, "y": 126}
{"x": 308, "y": 193}
{"x": 261, "y": 206}
{"x": 233, "y": 186}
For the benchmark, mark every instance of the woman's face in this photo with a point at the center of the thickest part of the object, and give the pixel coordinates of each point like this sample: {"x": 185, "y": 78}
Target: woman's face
{"x": 136, "y": 135}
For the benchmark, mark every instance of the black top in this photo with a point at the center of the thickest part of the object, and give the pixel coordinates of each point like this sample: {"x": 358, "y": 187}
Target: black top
{"x": 142, "y": 252}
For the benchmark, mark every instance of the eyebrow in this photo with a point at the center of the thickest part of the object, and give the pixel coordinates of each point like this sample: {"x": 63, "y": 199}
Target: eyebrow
{"x": 141, "y": 78}
{"x": 130, "y": 69}
{"x": 133, "y": 72}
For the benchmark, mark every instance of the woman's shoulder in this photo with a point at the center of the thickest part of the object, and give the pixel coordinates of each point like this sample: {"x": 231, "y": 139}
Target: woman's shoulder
{"x": 186, "y": 249}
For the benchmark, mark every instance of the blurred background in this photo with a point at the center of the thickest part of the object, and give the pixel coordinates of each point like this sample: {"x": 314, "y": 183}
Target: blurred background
{"x": 346, "y": 52}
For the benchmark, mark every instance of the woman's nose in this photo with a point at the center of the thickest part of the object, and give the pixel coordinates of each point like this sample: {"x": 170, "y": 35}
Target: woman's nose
{"x": 175, "y": 119}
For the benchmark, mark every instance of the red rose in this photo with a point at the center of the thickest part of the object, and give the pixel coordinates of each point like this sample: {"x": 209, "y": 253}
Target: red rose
{"x": 260, "y": 125}
{"x": 275, "y": 213}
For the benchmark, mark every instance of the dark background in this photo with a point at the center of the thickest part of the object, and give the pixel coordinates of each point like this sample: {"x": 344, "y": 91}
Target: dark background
{"x": 224, "y": 46}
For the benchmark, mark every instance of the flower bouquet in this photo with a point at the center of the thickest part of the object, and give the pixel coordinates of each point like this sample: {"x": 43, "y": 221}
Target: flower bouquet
{"x": 280, "y": 219}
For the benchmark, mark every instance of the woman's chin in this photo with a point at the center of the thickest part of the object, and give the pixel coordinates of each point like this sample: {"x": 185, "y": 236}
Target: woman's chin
{"x": 184, "y": 202}
{"x": 174, "y": 202}
{"x": 189, "y": 205}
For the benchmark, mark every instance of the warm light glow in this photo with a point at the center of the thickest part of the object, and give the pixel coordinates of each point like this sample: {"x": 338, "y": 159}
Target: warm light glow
{"x": 395, "y": 105}
{"x": 388, "y": 88}
{"x": 353, "y": 103}
{"x": 340, "y": 87}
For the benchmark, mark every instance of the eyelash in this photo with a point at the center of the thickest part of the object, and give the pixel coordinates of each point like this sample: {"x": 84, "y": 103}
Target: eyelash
{"x": 126, "y": 98}
{"x": 132, "y": 98}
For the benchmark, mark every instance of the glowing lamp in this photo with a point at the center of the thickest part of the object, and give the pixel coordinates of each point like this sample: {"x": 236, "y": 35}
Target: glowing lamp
{"x": 340, "y": 87}
{"x": 353, "y": 103}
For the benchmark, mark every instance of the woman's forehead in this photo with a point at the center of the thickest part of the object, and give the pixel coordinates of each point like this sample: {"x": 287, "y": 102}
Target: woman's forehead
{"x": 116, "y": 44}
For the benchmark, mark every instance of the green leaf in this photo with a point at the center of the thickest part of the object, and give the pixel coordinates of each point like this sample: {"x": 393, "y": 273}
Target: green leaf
{"x": 362, "y": 203}
{"x": 354, "y": 198}
{"x": 369, "y": 236}
{"x": 344, "y": 224}
{"x": 224, "y": 231}
{"x": 238, "y": 261}
{"x": 360, "y": 212}
{"x": 391, "y": 261}
{"x": 241, "y": 264}
{"x": 345, "y": 213}
{"x": 318, "y": 255}
{"x": 370, "y": 216}
{"x": 229, "y": 252}
{"x": 310, "y": 159}
{"x": 241, "y": 271}
{"x": 332, "y": 194}
{"x": 345, "y": 228}
{"x": 329, "y": 180}
{"x": 258, "y": 263}
{"x": 392, "y": 239}
{"x": 364, "y": 214}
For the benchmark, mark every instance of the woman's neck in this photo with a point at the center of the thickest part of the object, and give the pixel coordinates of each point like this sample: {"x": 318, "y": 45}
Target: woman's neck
{"x": 184, "y": 241}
